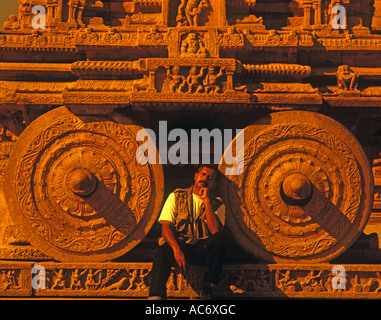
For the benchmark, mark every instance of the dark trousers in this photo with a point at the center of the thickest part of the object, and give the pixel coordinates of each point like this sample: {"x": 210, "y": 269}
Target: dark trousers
{"x": 210, "y": 252}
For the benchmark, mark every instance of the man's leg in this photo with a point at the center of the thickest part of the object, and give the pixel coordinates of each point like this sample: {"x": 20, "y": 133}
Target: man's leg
{"x": 213, "y": 249}
{"x": 161, "y": 270}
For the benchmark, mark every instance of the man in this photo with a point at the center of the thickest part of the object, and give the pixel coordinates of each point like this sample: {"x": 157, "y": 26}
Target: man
{"x": 192, "y": 220}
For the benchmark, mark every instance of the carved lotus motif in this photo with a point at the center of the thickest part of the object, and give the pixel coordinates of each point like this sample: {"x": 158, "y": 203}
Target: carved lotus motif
{"x": 303, "y": 191}
{"x": 80, "y": 194}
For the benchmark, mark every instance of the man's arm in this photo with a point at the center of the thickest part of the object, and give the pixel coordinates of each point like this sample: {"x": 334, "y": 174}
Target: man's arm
{"x": 167, "y": 220}
{"x": 170, "y": 238}
{"x": 211, "y": 217}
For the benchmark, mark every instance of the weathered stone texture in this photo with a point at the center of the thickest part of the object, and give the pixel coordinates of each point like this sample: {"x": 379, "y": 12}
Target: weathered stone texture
{"x": 73, "y": 96}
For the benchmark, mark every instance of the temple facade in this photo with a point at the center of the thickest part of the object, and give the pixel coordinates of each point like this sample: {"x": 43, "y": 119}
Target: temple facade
{"x": 297, "y": 82}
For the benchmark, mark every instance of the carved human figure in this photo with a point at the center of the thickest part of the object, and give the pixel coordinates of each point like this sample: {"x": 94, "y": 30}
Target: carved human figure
{"x": 75, "y": 11}
{"x": 59, "y": 281}
{"x": 194, "y": 80}
{"x": 140, "y": 84}
{"x": 286, "y": 283}
{"x": 178, "y": 82}
{"x": 75, "y": 282}
{"x": 181, "y": 18}
{"x": 312, "y": 281}
{"x": 7, "y": 280}
{"x": 189, "y": 12}
{"x": 193, "y": 47}
{"x": 329, "y": 16}
{"x": 24, "y": 10}
{"x": 212, "y": 82}
{"x": 346, "y": 78}
{"x": 90, "y": 283}
{"x": 136, "y": 279}
{"x": 262, "y": 281}
{"x": 12, "y": 22}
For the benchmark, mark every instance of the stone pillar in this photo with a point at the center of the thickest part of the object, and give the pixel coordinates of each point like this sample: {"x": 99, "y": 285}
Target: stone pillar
{"x": 165, "y": 12}
{"x": 307, "y": 6}
{"x": 222, "y": 13}
{"x": 318, "y": 12}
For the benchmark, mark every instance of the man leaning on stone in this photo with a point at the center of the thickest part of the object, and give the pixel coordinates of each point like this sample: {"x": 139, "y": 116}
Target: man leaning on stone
{"x": 192, "y": 220}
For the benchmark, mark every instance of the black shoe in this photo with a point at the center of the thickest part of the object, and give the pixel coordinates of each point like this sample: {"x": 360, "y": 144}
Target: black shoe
{"x": 207, "y": 291}
{"x": 206, "y": 294}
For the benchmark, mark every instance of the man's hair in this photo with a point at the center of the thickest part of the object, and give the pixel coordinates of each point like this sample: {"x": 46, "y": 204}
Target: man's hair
{"x": 210, "y": 166}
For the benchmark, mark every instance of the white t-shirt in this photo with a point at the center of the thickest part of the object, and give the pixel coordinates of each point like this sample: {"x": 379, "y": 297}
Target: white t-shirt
{"x": 169, "y": 209}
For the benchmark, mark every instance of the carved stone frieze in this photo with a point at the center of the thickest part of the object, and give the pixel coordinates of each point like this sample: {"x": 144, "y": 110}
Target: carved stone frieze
{"x": 131, "y": 280}
{"x": 231, "y": 40}
{"x": 347, "y": 80}
{"x": 377, "y": 184}
{"x": 190, "y": 11}
{"x": 290, "y": 71}
{"x": 153, "y": 37}
{"x": 96, "y": 68}
{"x": 115, "y": 279}
{"x": 303, "y": 281}
{"x": 196, "y": 80}
{"x": 15, "y": 279}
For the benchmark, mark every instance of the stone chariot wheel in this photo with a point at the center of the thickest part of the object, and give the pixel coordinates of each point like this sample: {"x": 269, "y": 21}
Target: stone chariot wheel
{"x": 74, "y": 187}
{"x": 301, "y": 189}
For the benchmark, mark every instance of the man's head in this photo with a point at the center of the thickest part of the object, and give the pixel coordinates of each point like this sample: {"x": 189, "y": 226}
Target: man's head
{"x": 206, "y": 177}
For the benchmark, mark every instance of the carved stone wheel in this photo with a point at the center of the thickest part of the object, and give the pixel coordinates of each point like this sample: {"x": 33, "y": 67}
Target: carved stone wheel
{"x": 305, "y": 193}
{"x": 75, "y": 189}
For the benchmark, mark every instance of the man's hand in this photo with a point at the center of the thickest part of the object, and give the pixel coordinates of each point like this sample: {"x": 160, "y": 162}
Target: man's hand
{"x": 204, "y": 194}
{"x": 171, "y": 240}
{"x": 211, "y": 218}
{"x": 180, "y": 258}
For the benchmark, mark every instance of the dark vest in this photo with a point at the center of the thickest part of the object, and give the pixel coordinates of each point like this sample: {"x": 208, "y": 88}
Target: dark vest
{"x": 187, "y": 227}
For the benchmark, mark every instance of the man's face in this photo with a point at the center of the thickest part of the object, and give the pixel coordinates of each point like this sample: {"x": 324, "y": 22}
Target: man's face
{"x": 205, "y": 178}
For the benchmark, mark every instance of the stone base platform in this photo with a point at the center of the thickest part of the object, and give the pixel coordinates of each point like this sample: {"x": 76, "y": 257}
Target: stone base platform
{"x": 243, "y": 281}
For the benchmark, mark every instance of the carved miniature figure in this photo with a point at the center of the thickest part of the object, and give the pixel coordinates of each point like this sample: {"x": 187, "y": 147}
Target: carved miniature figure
{"x": 312, "y": 282}
{"x": 181, "y": 19}
{"x": 212, "y": 82}
{"x": 12, "y": 22}
{"x": 137, "y": 280}
{"x": 90, "y": 283}
{"x": 286, "y": 283}
{"x": 193, "y": 47}
{"x": 346, "y": 78}
{"x": 368, "y": 286}
{"x": 59, "y": 280}
{"x": 171, "y": 284}
{"x": 7, "y": 280}
{"x": 75, "y": 282}
{"x": 262, "y": 281}
{"x": 189, "y": 12}
{"x": 75, "y": 11}
{"x": 178, "y": 82}
{"x": 140, "y": 84}
{"x": 194, "y": 80}
{"x": 191, "y": 233}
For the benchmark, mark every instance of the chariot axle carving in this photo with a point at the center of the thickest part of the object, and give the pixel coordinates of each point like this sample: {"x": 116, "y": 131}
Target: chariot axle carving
{"x": 304, "y": 194}
{"x": 76, "y": 190}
